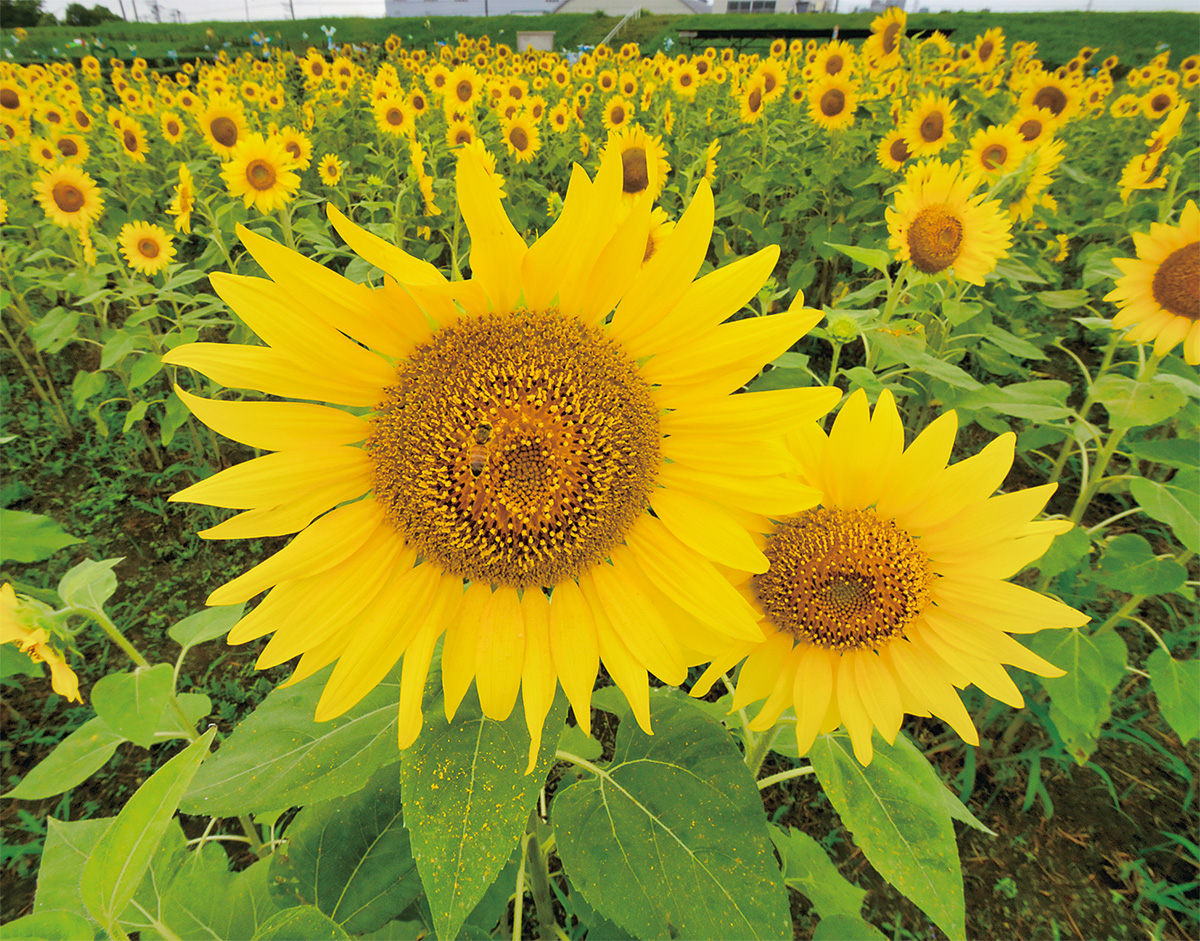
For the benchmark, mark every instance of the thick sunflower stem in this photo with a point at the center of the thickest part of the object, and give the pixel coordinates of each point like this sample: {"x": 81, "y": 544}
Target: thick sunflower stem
{"x": 756, "y": 752}
{"x": 538, "y": 869}
{"x": 285, "y": 217}
{"x": 782, "y": 776}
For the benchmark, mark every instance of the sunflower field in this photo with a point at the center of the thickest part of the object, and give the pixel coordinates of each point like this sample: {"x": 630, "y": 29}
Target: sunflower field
{"x": 645, "y": 470}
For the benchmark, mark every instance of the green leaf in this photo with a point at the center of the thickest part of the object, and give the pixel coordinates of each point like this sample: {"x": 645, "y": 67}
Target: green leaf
{"x": 1016, "y": 270}
{"x": 145, "y": 368}
{"x": 1064, "y": 300}
{"x": 54, "y": 329}
{"x": 175, "y": 416}
{"x": 279, "y": 756}
{"x": 1131, "y": 403}
{"x": 574, "y": 741}
{"x": 808, "y": 869}
{"x": 1040, "y": 400}
{"x": 73, "y": 760}
{"x": 85, "y": 386}
{"x": 351, "y": 856}
{"x": 1174, "y": 452}
{"x": 205, "y": 625}
{"x": 911, "y": 761}
{"x": 131, "y": 704}
{"x": 467, "y": 800}
{"x": 117, "y": 348}
{"x": 875, "y": 258}
{"x": 1176, "y": 685}
{"x": 902, "y": 826}
{"x": 1099, "y": 266}
{"x": 1011, "y": 343}
{"x": 89, "y": 584}
{"x": 136, "y": 413}
{"x": 1066, "y": 552}
{"x": 17, "y": 662}
{"x": 1173, "y": 503}
{"x": 305, "y": 922}
{"x": 144, "y": 911}
{"x": 847, "y": 928}
{"x": 1129, "y": 565}
{"x": 122, "y": 856}
{"x": 195, "y": 706}
{"x": 670, "y": 840}
{"x": 68, "y": 846}
{"x": 1080, "y": 702}
{"x": 31, "y": 537}
{"x": 49, "y": 926}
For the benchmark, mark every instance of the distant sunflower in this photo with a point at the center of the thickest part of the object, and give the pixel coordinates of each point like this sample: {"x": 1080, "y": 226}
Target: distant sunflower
{"x": 69, "y": 197}
{"x": 183, "y": 201}
{"x": 1055, "y": 95}
{"x": 261, "y": 172}
{"x": 330, "y": 169}
{"x": 685, "y": 80}
{"x": 147, "y": 248}
{"x": 463, "y": 87}
{"x": 521, "y": 137}
{"x": 298, "y": 145}
{"x": 223, "y": 126}
{"x": 1158, "y": 295}
{"x": 988, "y": 50}
{"x": 927, "y": 127}
{"x": 832, "y": 102}
{"x": 1034, "y": 124}
{"x": 394, "y": 116}
{"x": 750, "y": 102}
{"x": 882, "y": 47}
{"x": 644, "y": 165}
{"x": 560, "y": 117}
{"x": 459, "y": 132}
{"x": 172, "y": 127}
{"x": 617, "y": 113}
{"x": 73, "y": 148}
{"x": 892, "y": 151}
{"x": 43, "y": 152}
{"x": 834, "y": 58}
{"x": 893, "y": 591}
{"x": 938, "y": 224}
{"x": 132, "y": 137}
{"x": 1159, "y": 100}
{"x": 995, "y": 150}
{"x": 569, "y": 510}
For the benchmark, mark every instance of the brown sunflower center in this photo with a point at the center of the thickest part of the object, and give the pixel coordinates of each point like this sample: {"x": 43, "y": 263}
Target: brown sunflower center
{"x": 67, "y": 147}
{"x": 1030, "y": 130}
{"x": 685, "y": 79}
{"x": 9, "y": 99}
{"x": 394, "y": 117}
{"x": 224, "y": 131}
{"x": 1052, "y": 98}
{"x": 67, "y": 196}
{"x": 833, "y": 103}
{"x": 933, "y": 127}
{"x": 769, "y": 82}
{"x": 617, "y": 115}
{"x": 147, "y": 248}
{"x": 260, "y": 174}
{"x": 898, "y": 151}
{"x": 1176, "y": 285}
{"x": 519, "y": 139}
{"x": 843, "y": 579}
{"x": 985, "y": 50}
{"x": 464, "y": 90}
{"x": 292, "y": 148}
{"x": 834, "y": 64}
{"x": 1159, "y": 103}
{"x": 129, "y": 139}
{"x": 994, "y": 156}
{"x": 636, "y": 170}
{"x": 517, "y": 448}
{"x": 754, "y": 102}
{"x": 173, "y": 128}
{"x": 463, "y": 136}
{"x": 935, "y": 238}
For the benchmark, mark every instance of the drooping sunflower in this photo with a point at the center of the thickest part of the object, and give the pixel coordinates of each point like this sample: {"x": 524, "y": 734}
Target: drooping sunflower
{"x": 995, "y": 150}
{"x": 183, "y": 201}
{"x": 892, "y": 150}
{"x": 1037, "y": 179}
{"x": 938, "y": 224}
{"x": 261, "y": 172}
{"x": 927, "y": 127}
{"x": 1158, "y": 294}
{"x": 18, "y": 627}
{"x": 69, "y": 197}
{"x": 330, "y": 169}
{"x": 882, "y": 47}
{"x": 223, "y": 125}
{"x": 148, "y": 248}
{"x": 832, "y": 102}
{"x": 893, "y": 592}
{"x": 525, "y": 424}
{"x": 521, "y": 137}
{"x": 644, "y": 165}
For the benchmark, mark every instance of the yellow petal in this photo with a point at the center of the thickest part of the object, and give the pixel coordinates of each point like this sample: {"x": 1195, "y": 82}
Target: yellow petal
{"x": 746, "y": 459}
{"x": 773, "y": 496}
{"x": 626, "y": 672}
{"x": 271, "y": 479}
{"x": 701, "y": 525}
{"x": 575, "y": 649}
{"x": 500, "y": 653}
{"x": 980, "y": 640}
{"x": 921, "y": 462}
{"x": 988, "y": 675}
{"x": 853, "y": 713}
{"x": 1006, "y": 606}
{"x": 417, "y": 657}
{"x": 292, "y": 515}
{"x": 402, "y": 266}
{"x": 537, "y": 677}
{"x": 752, "y": 415}
{"x": 762, "y": 670}
{"x": 879, "y": 694}
{"x": 458, "y": 652}
{"x": 936, "y": 693}
{"x": 811, "y": 693}
{"x": 544, "y": 269}
{"x": 597, "y": 292}
{"x": 275, "y": 426}
{"x": 629, "y": 609}
{"x": 962, "y": 484}
{"x": 982, "y": 525}
{"x": 497, "y": 250}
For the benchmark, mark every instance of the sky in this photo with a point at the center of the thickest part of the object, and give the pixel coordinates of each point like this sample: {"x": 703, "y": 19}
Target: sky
{"x": 197, "y": 10}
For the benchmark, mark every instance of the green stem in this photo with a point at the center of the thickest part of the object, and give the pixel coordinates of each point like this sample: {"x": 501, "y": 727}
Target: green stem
{"x": 756, "y": 754}
{"x": 833, "y": 361}
{"x": 785, "y": 776}
{"x": 539, "y": 880}
{"x": 1088, "y": 402}
{"x": 285, "y": 216}
{"x": 1135, "y": 602}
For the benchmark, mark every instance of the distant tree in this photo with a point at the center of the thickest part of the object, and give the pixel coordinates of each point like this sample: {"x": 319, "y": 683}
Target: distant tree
{"x": 79, "y": 15}
{"x": 14, "y": 13}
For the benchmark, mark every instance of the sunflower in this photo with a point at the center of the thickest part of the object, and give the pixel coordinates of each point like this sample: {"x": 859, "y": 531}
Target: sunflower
{"x": 560, "y": 117}
{"x": 882, "y": 47}
{"x": 710, "y": 161}
{"x": 774, "y": 78}
{"x": 132, "y": 137}
{"x": 750, "y": 102}
{"x": 315, "y": 68}
{"x": 892, "y": 150}
{"x": 617, "y": 113}
{"x": 1053, "y": 94}
{"x": 172, "y": 126}
{"x": 685, "y": 80}
{"x": 298, "y": 145}
{"x": 69, "y": 197}
{"x": 1158, "y": 295}
{"x": 995, "y": 150}
{"x": 1034, "y": 124}
{"x": 893, "y": 591}
{"x": 1038, "y": 179}
{"x": 463, "y": 87}
{"x": 459, "y": 132}
{"x": 544, "y": 477}
{"x": 183, "y": 201}
{"x": 644, "y": 165}
{"x": 330, "y": 169}
{"x": 521, "y": 137}
{"x": 81, "y": 119}
{"x": 834, "y": 58}
{"x": 938, "y": 224}
{"x": 223, "y": 126}
{"x": 660, "y": 227}
{"x": 15, "y": 100}
{"x": 1159, "y": 100}
{"x": 146, "y": 247}
{"x": 394, "y": 116}
{"x": 927, "y": 127}
{"x": 43, "y": 152}
{"x": 19, "y": 625}
{"x": 261, "y": 172}
{"x": 988, "y": 50}
{"x": 832, "y": 101}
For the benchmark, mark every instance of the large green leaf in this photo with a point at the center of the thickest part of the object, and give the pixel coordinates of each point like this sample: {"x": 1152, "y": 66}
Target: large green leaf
{"x": 29, "y": 537}
{"x": 145, "y": 909}
{"x": 304, "y": 921}
{"x": 467, "y": 800}
{"x": 280, "y": 756}
{"x": 1176, "y": 685}
{"x": 1173, "y": 503}
{"x": 73, "y": 760}
{"x": 132, "y": 704}
{"x": 49, "y": 926}
{"x": 89, "y": 584}
{"x": 1129, "y": 565}
{"x": 68, "y": 845}
{"x": 808, "y": 869}
{"x": 902, "y": 825}
{"x": 121, "y": 857}
{"x": 670, "y": 839}
{"x": 847, "y": 928}
{"x": 1131, "y": 403}
{"x": 351, "y": 856}
{"x": 1080, "y": 702}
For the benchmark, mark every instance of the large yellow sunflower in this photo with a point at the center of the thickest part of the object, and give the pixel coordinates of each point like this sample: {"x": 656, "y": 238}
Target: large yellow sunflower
{"x": 1159, "y": 293}
{"x": 832, "y": 101}
{"x": 834, "y": 58}
{"x": 69, "y": 197}
{"x": 892, "y": 593}
{"x": 552, "y": 469}
{"x": 938, "y": 224}
{"x": 643, "y": 162}
{"x": 882, "y": 47}
{"x": 261, "y": 172}
{"x": 146, "y": 247}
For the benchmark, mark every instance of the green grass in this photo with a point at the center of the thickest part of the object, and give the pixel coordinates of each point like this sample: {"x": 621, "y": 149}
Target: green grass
{"x": 1134, "y": 37}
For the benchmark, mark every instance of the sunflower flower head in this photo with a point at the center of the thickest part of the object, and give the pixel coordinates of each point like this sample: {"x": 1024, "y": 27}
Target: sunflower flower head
{"x": 19, "y": 625}
{"x": 146, "y": 247}
{"x": 261, "y": 171}
{"x": 69, "y": 197}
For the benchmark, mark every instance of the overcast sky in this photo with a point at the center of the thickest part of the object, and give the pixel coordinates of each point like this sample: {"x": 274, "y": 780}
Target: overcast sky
{"x": 197, "y": 10}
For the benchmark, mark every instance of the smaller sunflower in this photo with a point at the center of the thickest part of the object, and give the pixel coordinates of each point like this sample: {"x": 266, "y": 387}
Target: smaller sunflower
{"x": 938, "y": 224}
{"x": 893, "y": 151}
{"x": 560, "y": 117}
{"x": 995, "y": 150}
{"x": 459, "y": 132}
{"x": 223, "y": 126}
{"x": 750, "y": 102}
{"x": 617, "y": 113}
{"x": 298, "y": 145}
{"x": 330, "y": 169}
{"x": 988, "y": 50}
{"x": 1158, "y": 296}
{"x": 132, "y": 138}
{"x": 834, "y": 58}
{"x": 927, "y": 127}
{"x": 521, "y": 137}
{"x": 172, "y": 127}
{"x": 394, "y": 116}
{"x": 147, "y": 248}
{"x": 69, "y": 197}
{"x": 1053, "y": 94}
{"x": 831, "y": 103}
{"x": 1034, "y": 124}
{"x": 183, "y": 201}
{"x": 261, "y": 172}
{"x": 1159, "y": 100}
{"x": 644, "y": 163}
{"x": 73, "y": 148}
{"x": 43, "y": 152}
{"x": 685, "y": 80}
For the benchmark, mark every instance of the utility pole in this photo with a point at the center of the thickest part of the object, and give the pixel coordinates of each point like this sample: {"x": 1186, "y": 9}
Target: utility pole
{"x": 123, "y": 16}
{"x": 292, "y": 7}
{"x": 136, "y": 18}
